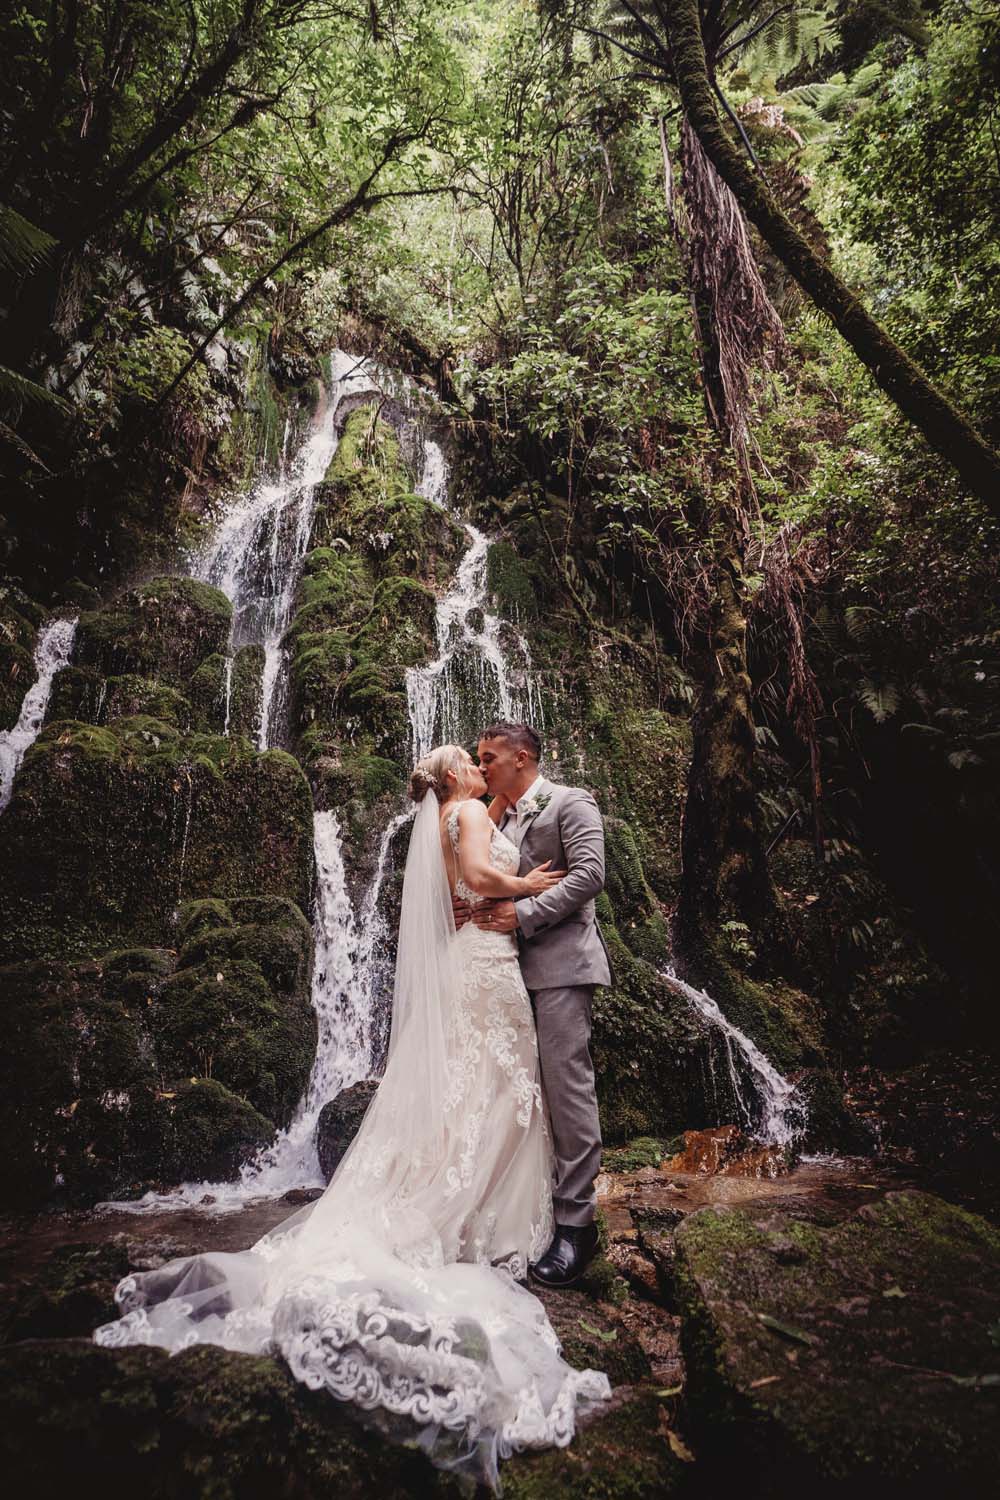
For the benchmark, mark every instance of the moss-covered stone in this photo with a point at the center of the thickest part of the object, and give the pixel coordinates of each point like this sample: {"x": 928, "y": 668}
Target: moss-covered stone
{"x": 105, "y": 1060}
{"x": 365, "y": 612}
{"x": 221, "y": 1019}
{"x": 206, "y": 1131}
{"x": 111, "y": 827}
{"x": 67, "y": 1297}
{"x": 239, "y": 1427}
{"x": 827, "y": 1356}
{"x": 652, "y": 1053}
{"x": 162, "y": 629}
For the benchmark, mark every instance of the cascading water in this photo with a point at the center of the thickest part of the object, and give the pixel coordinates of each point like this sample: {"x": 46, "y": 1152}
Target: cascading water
{"x": 255, "y": 556}
{"x": 52, "y": 653}
{"x": 775, "y": 1113}
{"x": 472, "y": 678}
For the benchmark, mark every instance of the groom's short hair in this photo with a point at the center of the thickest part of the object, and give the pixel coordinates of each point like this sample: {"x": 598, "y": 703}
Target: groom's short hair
{"x": 521, "y": 736}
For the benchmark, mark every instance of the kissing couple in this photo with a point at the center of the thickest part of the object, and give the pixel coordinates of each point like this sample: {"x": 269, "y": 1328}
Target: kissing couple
{"x": 403, "y": 1289}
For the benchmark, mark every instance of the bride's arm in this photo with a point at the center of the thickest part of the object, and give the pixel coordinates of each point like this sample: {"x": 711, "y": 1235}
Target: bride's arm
{"x": 474, "y": 833}
{"x": 497, "y": 808}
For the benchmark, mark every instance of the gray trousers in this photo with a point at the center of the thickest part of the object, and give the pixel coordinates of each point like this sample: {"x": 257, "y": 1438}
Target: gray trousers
{"x": 562, "y": 1021}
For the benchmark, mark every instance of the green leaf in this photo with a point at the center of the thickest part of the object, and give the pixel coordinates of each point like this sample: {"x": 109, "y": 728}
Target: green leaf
{"x": 607, "y": 1338}
{"x": 786, "y": 1330}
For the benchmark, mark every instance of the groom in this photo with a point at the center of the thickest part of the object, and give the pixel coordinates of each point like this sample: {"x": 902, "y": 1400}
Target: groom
{"x": 563, "y": 957}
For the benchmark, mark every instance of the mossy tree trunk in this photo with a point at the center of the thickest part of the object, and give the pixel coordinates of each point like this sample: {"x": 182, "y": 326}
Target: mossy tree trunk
{"x": 917, "y": 398}
{"x": 723, "y": 869}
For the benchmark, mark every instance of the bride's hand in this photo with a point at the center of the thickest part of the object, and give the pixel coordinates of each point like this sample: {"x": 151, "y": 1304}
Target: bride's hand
{"x": 541, "y": 878}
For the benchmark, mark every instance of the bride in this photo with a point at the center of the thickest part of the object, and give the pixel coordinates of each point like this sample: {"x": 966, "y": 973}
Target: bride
{"x": 399, "y": 1289}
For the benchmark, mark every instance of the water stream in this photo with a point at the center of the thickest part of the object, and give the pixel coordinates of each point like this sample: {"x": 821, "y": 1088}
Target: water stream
{"x": 256, "y": 553}
{"x": 771, "y": 1109}
{"x": 52, "y": 652}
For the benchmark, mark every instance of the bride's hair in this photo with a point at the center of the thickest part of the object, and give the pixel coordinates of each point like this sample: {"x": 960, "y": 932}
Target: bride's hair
{"x": 430, "y": 774}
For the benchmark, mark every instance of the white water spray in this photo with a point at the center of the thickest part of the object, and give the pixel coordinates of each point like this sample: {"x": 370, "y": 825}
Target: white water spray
{"x": 779, "y": 1118}
{"x": 256, "y": 554}
{"x": 473, "y": 677}
{"x": 52, "y": 652}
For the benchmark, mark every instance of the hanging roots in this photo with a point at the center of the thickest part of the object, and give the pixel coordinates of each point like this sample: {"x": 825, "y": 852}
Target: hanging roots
{"x": 724, "y": 273}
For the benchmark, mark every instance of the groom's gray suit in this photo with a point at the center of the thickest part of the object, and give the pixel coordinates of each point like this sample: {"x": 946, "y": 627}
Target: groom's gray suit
{"x": 563, "y": 956}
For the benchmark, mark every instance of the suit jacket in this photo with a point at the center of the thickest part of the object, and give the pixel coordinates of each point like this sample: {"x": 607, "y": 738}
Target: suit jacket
{"x": 559, "y": 939}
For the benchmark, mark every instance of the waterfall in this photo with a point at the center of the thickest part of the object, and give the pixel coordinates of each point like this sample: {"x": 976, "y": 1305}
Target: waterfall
{"x": 256, "y": 553}
{"x": 52, "y": 653}
{"x": 775, "y": 1112}
{"x": 471, "y": 680}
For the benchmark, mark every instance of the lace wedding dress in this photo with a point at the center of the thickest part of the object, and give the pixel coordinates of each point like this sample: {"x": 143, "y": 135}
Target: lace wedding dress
{"x": 398, "y": 1290}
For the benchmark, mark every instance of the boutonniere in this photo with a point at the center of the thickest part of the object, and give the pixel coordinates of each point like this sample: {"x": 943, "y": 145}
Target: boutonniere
{"x": 538, "y": 804}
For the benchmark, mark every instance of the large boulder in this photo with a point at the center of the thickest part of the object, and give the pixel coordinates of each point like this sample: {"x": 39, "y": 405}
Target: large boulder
{"x": 339, "y": 1121}
{"x": 146, "y": 1066}
{"x": 853, "y": 1357}
{"x": 111, "y": 827}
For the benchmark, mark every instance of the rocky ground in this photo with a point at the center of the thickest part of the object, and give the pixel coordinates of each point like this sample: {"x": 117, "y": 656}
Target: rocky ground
{"x": 825, "y": 1328}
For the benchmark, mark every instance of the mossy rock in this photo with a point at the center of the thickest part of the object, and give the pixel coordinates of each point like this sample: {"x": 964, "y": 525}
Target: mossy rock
{"x": 515, "y": 586}
{"x": 111, "y": 828}
{"x": 207, "y": 1132}
{"x": 208, "y": 1421}
{"x": 80, "y": 1099}
{"x": 163, "y": 629}
{"x": 622, "y": 1455}
{"x": 68, "y": 1296}
{"x": 827, "y": 1357}
{"x": 222, "y": 1018}
{"x": 83, "y": 693}
{"x": 654, "y": 1056}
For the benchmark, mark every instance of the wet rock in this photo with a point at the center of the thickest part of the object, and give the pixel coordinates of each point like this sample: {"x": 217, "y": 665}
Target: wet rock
{"x": 162, "y": 629}
{"x": 854, "y": 1360}
{"x": 302, "y": 1195}
{"x": 207, "y": 1421}
{"x": 727, "y": 1152}
{"x": 110, "y": 828}
{"x": 339, "y": 1121}
{"x": 125, "y": 1072}
{"x": 68, "y": 1296}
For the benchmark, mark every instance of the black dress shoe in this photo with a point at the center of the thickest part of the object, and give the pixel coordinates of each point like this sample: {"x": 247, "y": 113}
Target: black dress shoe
{"x": 572, "y": 1249}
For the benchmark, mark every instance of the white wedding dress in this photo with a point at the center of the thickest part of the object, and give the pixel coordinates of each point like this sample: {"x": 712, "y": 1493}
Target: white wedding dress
{"x": 398, "y": 1289}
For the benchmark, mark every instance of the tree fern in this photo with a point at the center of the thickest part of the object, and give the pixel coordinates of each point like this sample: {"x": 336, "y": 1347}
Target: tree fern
{"x": 23, "y": 247}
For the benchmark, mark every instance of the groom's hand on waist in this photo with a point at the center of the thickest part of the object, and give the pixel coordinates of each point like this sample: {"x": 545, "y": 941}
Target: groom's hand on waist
{"x": 461, "y": 911}
{"x": 495, "y": 916}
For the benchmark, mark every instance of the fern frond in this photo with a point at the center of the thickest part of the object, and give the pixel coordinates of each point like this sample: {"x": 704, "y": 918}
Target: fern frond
{"x": 882, "y": 700}
{"x": 23, "y": 246}
{"x": 17, "y": 392}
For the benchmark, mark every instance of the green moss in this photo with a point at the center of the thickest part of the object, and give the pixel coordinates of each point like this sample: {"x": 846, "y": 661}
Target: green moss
{"x": 623, "y": 1456}
{"x": 872, "y": 1310}
{"x": 206, "y": 1132}
{"x": 163, "y": 629}
{"x": 111, "y": 827}
{"x": 515, "y": 587}
{"x": 644, "y": 1151}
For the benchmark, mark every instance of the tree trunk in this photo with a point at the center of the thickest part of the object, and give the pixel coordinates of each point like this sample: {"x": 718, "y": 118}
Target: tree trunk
{"x": 919, "y": 400}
